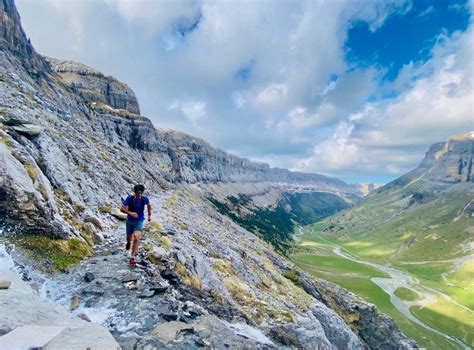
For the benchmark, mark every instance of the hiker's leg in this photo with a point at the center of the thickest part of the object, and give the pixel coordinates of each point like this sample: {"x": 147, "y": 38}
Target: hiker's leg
{"x": 137, "y": 235}
{"x": 129, "y": 232}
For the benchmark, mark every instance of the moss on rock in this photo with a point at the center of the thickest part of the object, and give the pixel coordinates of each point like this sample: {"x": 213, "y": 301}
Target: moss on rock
{"x": 53, "y": 254}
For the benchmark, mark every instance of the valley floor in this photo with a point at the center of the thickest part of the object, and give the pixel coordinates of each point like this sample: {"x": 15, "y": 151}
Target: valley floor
{"x": 428, "y": 301}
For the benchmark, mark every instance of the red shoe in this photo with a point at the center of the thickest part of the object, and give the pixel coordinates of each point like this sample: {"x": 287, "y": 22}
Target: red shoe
{"x": 133, "y": 262}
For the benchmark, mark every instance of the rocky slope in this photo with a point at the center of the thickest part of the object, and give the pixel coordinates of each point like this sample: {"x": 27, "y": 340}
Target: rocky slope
{"x": 72, "y": 143}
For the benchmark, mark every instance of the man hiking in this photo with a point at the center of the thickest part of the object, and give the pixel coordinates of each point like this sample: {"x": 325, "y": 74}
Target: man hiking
{"x": 134, "y": 207}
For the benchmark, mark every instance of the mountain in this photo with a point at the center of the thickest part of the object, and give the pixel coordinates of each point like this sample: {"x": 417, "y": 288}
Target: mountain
{"x": 418, "y": 229}
{"x": 423, "y": 215}
{"x": 72, "y": 142}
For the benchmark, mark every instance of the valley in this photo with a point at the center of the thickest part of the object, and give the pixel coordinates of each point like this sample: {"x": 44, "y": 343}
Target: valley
{"x": 408, "y": 298}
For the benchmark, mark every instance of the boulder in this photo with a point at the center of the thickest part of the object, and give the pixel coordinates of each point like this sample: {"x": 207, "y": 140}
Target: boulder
{"x": 156, "y": 255}
{"x": 167, "y": 332}
{"x": 91, "y": 230}
{"x": 4, "y": 284}
{"x": 95, "y": 221}
{"x": 28, "y": 129}
{"x": 200, "y": 267}
{"x": 118, "y": 214}
{"x": 89, "y": 277}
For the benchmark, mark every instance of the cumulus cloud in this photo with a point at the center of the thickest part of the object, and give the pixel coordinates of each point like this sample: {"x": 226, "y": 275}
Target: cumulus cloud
{"x": 390, "y": 137}
{"x": 277, "y": 74}
{"x": 272, "y": 94}
{"x": 192, "y": 110}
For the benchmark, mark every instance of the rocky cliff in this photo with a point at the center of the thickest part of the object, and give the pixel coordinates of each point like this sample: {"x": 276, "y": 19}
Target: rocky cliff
{"x": 445, "y": 163}
{"x": 95, "y": 87}
{"x": 72, "y": 142}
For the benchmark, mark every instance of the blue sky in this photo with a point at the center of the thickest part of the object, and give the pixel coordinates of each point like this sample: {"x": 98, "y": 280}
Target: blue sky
{"x": 356, "y": 89}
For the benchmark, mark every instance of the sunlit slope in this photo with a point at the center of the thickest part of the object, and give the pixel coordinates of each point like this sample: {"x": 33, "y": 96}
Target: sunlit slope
{"x": 425, "y": 215}
{"x": 408, "y": 225}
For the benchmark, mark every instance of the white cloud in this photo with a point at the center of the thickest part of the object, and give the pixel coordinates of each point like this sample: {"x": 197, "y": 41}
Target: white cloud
{"x": 391, "y": 137}
{"x": 238, "y": 99}
{"x": 267, "y": 71}
{"x": 272, "y": 94}
{"x": 192, "y": 110}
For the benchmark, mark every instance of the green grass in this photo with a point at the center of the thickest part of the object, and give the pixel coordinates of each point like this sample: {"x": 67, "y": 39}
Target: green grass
{"x": 53, "y": 254}
{"x": 384, "y": 229}
{"x": 407, "y": 294}
{"x": 367, "y": 290}
{"x": 452, "y": 319}
{"x": 315, "y": 255}
{"x": 336, "y": 264}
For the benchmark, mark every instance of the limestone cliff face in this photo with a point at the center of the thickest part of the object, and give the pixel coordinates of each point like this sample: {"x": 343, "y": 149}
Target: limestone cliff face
{"x": 444, "y": 164}
{"x": 450, "y": 161}
{"x": 13, "y": 39}
{"x": 194, "y": 160}
{"x": 93, "y": 86}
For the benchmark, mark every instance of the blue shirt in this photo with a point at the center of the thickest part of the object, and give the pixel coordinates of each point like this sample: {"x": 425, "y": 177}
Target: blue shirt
{"x": 136, "y": 205}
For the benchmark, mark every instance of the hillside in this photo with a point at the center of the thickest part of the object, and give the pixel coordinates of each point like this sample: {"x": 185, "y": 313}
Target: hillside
{"x": 421, "y": 224}
{"x": 72, "y": 143}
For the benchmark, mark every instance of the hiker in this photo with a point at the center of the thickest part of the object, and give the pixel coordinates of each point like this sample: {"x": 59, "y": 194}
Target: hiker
{"x": 134, "y": 207}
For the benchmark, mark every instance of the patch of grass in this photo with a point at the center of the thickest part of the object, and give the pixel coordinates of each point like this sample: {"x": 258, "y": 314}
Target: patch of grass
{"x": 60, "y": 194}
{"x": 449, "y": 318}
{"x": 407, "y": 294}
{"x": 188, "y": 279}
{"x": 79, "y": 208}
{"x": 5, "y": 139}
{"x": 32, "y": 171}
{"x": 223, "y": 266}
{"x": 105, "y": 209}
{"x": 165, "y": 242}
{"x": 43, "y": 191}
{"x": 293, "y": 275}
{"x": 155, "y": 226}
{"x": 200, "y": 241}
{"x": 336, "y": 264}
{"x": 61, "y": 254}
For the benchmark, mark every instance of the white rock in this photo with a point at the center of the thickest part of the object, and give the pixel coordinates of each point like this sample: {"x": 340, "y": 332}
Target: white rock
{"x": 5, "y": 284}
{"x": 118, "y": 214}
{"x": 27, "y": 337}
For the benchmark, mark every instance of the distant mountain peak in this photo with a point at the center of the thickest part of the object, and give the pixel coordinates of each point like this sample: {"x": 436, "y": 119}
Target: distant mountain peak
{"x": 445, "y": 163}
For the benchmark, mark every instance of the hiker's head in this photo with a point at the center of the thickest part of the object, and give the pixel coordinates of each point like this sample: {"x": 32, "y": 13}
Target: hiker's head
{"x": 139, "y": 189}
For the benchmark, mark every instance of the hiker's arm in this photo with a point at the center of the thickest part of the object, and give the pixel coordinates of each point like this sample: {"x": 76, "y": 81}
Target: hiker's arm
{"x": 124, "y": 209}
{"x": 149, "y": 211}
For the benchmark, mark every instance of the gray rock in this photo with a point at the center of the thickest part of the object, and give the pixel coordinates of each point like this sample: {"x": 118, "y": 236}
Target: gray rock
{"x": 95, "y": 221}
{"x": 21, "y": 306}
{"x": 167, "y": 332}
{"x": 28, "y": 129}
{"x": 89, "y": 277}
{"x": 147, "y": 293}
{"x": 181, "y": 258}
{"x": 200, "y": 267}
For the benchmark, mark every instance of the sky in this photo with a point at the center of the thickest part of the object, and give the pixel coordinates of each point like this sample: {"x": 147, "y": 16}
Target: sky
{"x": 356, "y": 89}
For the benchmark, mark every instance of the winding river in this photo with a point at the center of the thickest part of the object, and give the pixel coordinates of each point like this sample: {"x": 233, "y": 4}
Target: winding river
{"x": 396, "y": 280}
